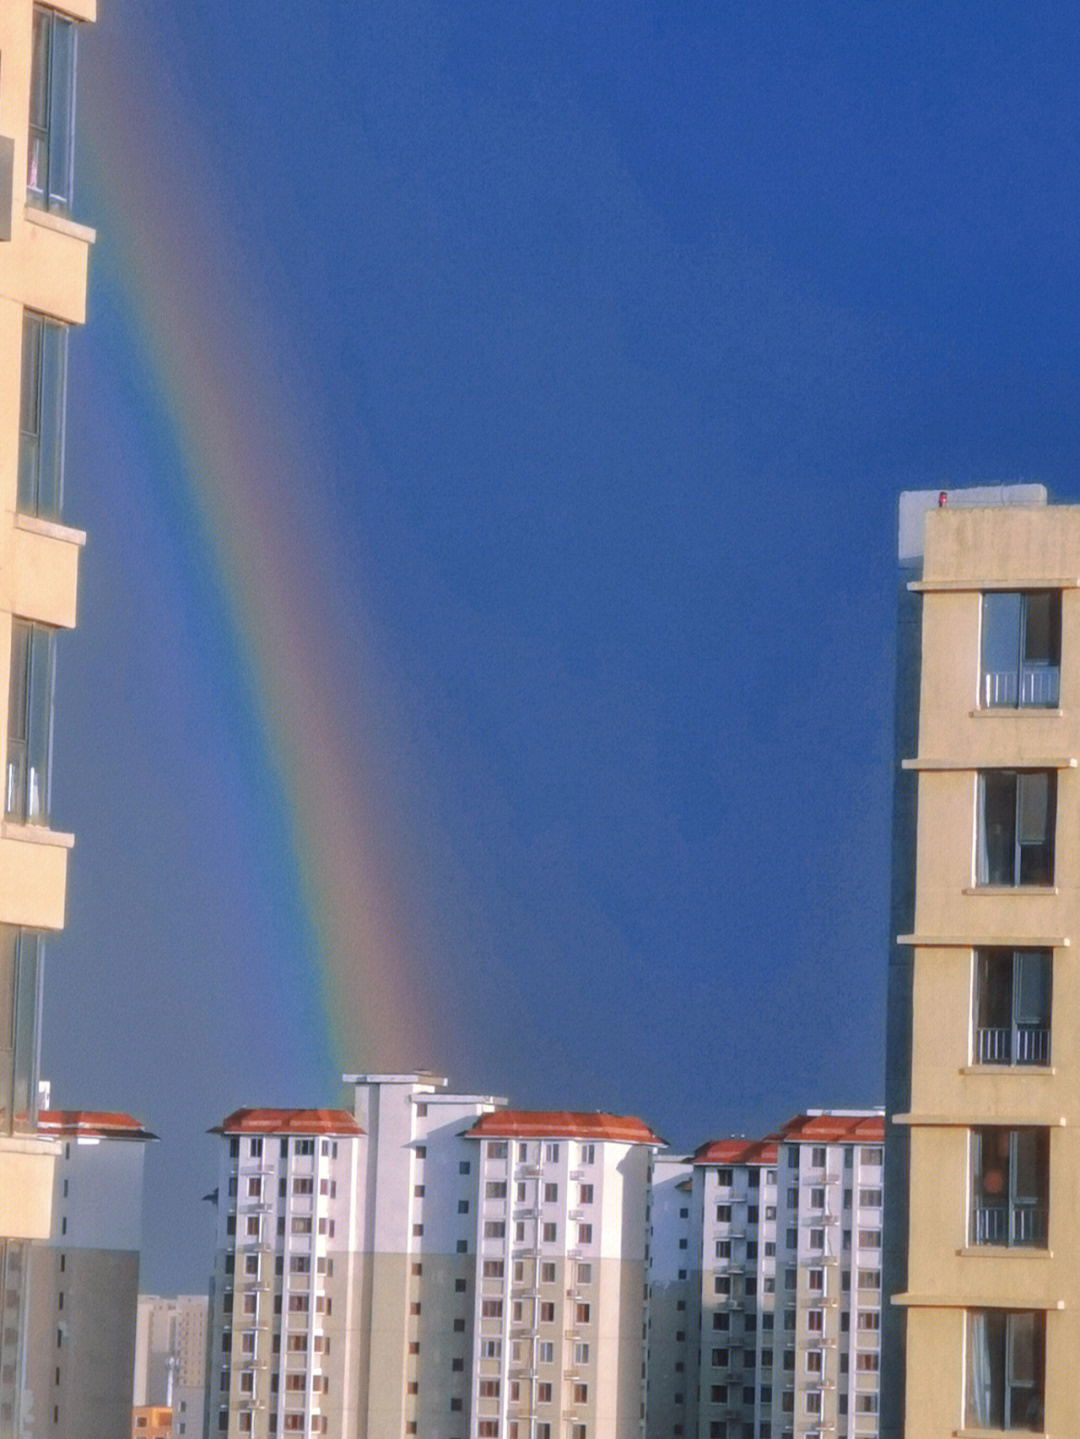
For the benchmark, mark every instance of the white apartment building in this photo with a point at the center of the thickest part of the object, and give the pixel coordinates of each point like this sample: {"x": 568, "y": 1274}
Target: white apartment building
{"x": 170, "y": 1359}
{"x": 84, "y": 1280}
{"x": 561, "y": 1307}
{"x": 285, "y": 1291}
{"x": 671, "y": 1379}
{"x": 735, "y": 1218}
{"x": 417, "y": 1225}
{"x": 828, "y": 1294}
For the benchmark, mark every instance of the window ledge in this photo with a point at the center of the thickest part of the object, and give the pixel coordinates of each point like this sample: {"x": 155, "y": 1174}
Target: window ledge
{"x": 49, "y": 220}
{"x": 1025, "y": 889}
{"x": 1038, "y": 762}
{"x": 1012, "y": 711}
{"x": 952, "y": 941}
{"x": 1005, "y": 1251}
{"x": 997, "y": 1433}
{"x": 1026, "y": 1071}
{"x": 973, "y": 1121}
{"x": 55, "y": 531}
{"x": 961, "y": 1301}
{"x": 1042, "y": 582}
{"x": 35, "y": 834}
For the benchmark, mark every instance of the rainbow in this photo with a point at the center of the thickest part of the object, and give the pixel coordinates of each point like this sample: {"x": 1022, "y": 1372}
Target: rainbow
{"x": 249, "y": 463}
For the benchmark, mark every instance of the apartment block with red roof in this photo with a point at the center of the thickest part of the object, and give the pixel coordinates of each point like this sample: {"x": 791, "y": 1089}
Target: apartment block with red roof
{"x": 826, "y": 1361}
{"x": 734, "y": 1243}
{"x": 285, "y": 1290}
{"x": 83, "y": 1282}
{"x": 561, "y": 1306}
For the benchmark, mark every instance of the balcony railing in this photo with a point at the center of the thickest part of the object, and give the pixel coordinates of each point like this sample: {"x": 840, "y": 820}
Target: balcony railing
{"x": 1012, "y": 1046}
{"x": 1036, "y": 686}
{"x": 1009, "y": 1224}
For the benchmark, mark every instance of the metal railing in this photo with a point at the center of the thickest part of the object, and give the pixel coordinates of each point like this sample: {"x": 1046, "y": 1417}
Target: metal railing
{"x": 1009, "y": 1224}
{"x": 1012, "y": 1046}
{"x": 1037, "y": 686}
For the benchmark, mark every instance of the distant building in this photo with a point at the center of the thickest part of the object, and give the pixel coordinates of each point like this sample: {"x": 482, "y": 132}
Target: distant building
{"x": 788, "y": 1256}
{"x": 84, "y": 1281}
{"x": 43, "y": 261}
{"x": 151, "y": 1421}
{"x": 170, "y": 1358}
{"x": 671, "y": 1392}
{"x": 734, "y": 1216}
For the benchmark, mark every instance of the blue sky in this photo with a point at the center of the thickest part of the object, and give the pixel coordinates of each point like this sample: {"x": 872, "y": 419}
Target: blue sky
{"x": 642, "y": 315}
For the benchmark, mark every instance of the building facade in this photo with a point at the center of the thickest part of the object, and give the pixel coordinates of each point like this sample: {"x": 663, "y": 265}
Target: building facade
{"x": 561, "y": 1307}
{"x": 418, "y": 1211}
{"x": 983, "y": 1263}
{"x": 83, "y": 1282}
{"x": 284, "y": 1296}
{"x": 43, "y": 259}
{"x": 734, "y": 1254}
{"x": 786, "y": 1299}
{"x": 433, "y": 1264}
{"x": 672, "y": 1340}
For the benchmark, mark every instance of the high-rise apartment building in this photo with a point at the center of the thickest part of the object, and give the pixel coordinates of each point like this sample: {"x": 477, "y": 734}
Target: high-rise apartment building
{"x": 43, "y": 259}
{"x": 284, "y": 1298}
{"x": 561, "y": 1249}
{"x": 734, "y": 1263}
{"x": 983, "y": 1262}
{"x": 787, "y": 1254}
{"x": 418, "y": 1211}
{"x": 434, "y": 1264}
{"x": 84, "y": 1281}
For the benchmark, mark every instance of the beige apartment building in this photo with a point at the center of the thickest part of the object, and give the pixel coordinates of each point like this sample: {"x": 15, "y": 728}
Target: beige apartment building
{"x": 43, "y": 259}
{"x": 985, "y": 1107}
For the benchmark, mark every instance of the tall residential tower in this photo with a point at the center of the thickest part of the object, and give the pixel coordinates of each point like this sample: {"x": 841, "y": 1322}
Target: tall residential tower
{"x": 43, "y": 258}
{"x": 983, "y": 1261}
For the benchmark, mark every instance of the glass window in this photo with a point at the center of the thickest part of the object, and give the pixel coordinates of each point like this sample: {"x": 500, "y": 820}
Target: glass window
{"x": 1006, "y": 1367}
{"x": 30, "y": 722}
{"x": 1012, "y": 1006}
{"x": 1010, "y": 1170}
{"x": 1021, "y": 649}
{"x": 42, "y": 416}
{"x": 1016, "y": 827}
{"x": 20, "y": 979}
{"x": 52, "y": 112}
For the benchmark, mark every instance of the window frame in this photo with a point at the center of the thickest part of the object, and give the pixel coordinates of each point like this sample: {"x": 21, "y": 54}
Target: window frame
{"x": 990, "y": 867}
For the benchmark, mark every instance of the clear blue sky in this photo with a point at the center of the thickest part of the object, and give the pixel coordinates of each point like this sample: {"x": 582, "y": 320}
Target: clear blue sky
{"x": 619, "y": 326}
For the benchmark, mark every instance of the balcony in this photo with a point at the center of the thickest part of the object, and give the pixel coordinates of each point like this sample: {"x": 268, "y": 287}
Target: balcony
{"x": 1032, "y": 686}
{"x": 1009, "y": 1225}
{"x": 1017, "y": 1045}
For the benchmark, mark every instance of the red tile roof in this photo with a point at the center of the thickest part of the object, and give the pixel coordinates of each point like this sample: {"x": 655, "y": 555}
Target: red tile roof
{"x": 561, "y": 1124}
{"x": 864, "y": 1127}
{"x": 735, "y": 1151}
{"x": 288, "y": 1121}
{"x": 91, "y": 1124}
